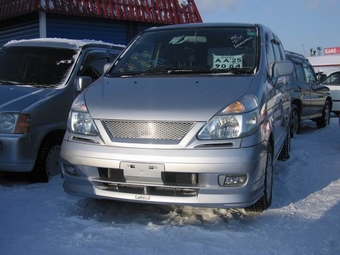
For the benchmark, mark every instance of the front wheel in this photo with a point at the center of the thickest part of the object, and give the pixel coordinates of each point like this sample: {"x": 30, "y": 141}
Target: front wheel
{"x": 295, "y": 120}
{"x": 285, "y": 151}
{"x": 266, "y": 200}
{"x": 326, "y": 115}
{"x": 47, "y": 163}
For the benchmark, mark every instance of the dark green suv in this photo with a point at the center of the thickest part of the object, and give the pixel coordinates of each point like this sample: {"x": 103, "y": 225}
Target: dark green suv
{"x": 310, "y": 100}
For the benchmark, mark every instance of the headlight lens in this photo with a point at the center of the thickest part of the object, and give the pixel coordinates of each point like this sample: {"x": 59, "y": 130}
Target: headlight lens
{"x": 15, "y": 123}
{"x": 80, "y": 121}
{"x": 236, "y": 120}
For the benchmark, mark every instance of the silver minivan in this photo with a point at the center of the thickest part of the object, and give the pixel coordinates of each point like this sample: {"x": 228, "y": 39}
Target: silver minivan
{"x": 193, "y": 114}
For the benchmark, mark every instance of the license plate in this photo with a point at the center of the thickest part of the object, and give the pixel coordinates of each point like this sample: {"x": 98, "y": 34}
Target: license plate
{"x": 144, "y": 172}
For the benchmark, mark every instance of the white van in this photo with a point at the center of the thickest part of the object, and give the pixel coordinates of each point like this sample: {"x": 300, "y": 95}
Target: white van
{"x": 328, "y": 68}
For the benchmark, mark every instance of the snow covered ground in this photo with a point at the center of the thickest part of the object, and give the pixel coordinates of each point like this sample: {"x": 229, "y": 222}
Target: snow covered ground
{"x": 304, "y": 219}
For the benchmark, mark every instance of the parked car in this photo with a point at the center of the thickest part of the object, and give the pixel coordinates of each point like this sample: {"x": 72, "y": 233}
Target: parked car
{"x": 310, "y": 99}
{"x": 39, "y": 79}
{"x": 332, "y": 81}
{"x": 193, "y": 114}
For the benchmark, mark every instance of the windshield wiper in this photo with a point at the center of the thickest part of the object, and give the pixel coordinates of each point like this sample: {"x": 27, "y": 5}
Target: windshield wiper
{"x": 233, "y": 70}
{"x": 171, "y": 70}
{"x": 123, "y": 74}
{"x": 185, "y": 70}
{"x": 5, "y": 82}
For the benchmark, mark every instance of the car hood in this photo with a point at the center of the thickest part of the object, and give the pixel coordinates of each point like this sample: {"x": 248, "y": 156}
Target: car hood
{"x": 166, "y": 99}
{"x": 17, "y": 98}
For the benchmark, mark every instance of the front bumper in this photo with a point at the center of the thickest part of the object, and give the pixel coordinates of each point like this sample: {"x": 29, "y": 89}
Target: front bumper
{"x": 152, "y": 181}
{"x": 16, "y": 153}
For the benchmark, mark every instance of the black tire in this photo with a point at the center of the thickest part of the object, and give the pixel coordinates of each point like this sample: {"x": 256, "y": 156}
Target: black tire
{"x": 266, "y": 200}
{"x": 47, "y": 163}
{"x": 285, "y": 151}
{"x": 295, "y": 121}
{"x": 326, "y": 116}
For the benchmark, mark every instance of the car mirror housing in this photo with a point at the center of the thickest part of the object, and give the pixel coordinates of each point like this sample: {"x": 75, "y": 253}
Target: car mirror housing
{"x": 282, "y": 68}
{"x": 83, "y": 82}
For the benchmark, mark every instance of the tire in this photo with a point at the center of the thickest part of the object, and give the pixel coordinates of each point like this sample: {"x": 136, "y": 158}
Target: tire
{"x": 326, "y": 115}
{"x": 295, "y": 121}
{"x": 285, "y": 151}
{"x": 266, "y": 200}
{"x": 47, "y": 163}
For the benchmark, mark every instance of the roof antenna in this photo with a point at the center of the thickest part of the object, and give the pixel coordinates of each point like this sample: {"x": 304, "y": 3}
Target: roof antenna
{"x": 303, "y": 49}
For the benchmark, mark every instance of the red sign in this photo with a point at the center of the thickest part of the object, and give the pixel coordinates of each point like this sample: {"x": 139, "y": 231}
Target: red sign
{"x": 334, "y": 50}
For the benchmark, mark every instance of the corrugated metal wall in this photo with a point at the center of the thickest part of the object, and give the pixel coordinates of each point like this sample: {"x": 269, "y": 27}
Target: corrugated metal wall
{"x": 73, "y": 27}
{"x": 17, "y": 29}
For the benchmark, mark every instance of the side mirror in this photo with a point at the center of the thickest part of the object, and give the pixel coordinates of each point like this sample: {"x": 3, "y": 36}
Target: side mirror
{"x": 282, "y": 68}
{"x": 83, "y": 82}
{"x": 322, "y": 77}
{"x": 107, "y": 66}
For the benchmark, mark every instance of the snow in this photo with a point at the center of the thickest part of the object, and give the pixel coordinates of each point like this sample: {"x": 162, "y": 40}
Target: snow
{"x": 58, "y": 42}
{"x": 304, "y": 218}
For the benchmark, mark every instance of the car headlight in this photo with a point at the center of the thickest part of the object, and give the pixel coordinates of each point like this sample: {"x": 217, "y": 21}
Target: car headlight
{"x": 80, "y": 121}
{"x": 15, "y": 123}
{"x": 238, "y": 119}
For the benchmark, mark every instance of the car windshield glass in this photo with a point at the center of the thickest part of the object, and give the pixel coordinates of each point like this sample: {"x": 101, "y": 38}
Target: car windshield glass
{"x": 36, "y": 66}
{"x": 205, "y": 50}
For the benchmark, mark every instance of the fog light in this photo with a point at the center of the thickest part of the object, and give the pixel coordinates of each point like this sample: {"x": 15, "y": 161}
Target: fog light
{"x": 71, "y": 170}
{"x": 232, "y": 180}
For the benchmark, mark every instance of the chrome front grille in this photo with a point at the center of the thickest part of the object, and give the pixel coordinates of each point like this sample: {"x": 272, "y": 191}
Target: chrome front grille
{"x": 160, "y": 130}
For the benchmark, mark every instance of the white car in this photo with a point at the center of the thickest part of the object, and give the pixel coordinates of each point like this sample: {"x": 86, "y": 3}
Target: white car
{"x": 332, "y": 81}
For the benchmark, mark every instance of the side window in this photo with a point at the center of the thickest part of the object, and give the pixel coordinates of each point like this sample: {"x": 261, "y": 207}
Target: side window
{"x": 299, "y": 73}
{"x": 113, "y": 55}
{"x": 93, "y": 64}
{"x": 334, "y": 79}
{"x": 274, "y": 51}
{"x": 270, "y": 53}
{"x": 277, "y": 51}
{"x": 310, "y": 76}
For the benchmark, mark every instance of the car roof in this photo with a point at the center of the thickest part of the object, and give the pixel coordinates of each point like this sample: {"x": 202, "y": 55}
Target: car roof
{"x": 296, "y": 56}
{"x": 61, "y": 43}
{"x": 206, "y": 25}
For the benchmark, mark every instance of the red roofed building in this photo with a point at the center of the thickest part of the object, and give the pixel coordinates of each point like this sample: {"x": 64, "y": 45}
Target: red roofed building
{"x": 116, "y": 21}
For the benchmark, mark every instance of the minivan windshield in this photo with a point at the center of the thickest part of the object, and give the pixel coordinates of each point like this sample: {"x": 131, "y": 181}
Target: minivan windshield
{"x": 194, "y": 50}
{"x": 35, "y": 66}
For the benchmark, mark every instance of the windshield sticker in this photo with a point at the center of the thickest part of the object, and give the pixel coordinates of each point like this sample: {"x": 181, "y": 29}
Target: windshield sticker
{"x": 240, "y": 41}
{"x": 225, "y": 62}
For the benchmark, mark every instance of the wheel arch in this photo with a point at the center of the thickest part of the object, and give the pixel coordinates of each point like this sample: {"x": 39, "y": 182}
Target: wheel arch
{"x": 298, "y": 103}
{"x": 329, "y": 99}
{"x": 55, "y": 133}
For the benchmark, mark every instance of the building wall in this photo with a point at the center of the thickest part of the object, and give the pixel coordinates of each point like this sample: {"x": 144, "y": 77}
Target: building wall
{"x": 74, "y": 27}
{"x": 25, "y": 27}
{"x": 70, "y": 27}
